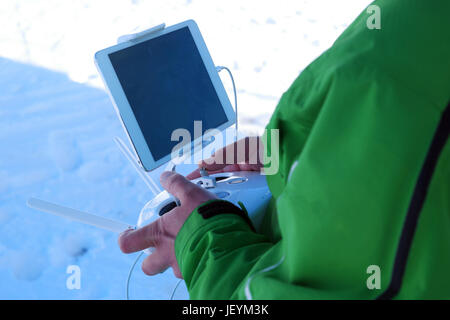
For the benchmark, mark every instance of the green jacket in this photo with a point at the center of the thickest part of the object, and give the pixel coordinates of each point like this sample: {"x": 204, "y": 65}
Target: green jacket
{"x": 364, "y": 175}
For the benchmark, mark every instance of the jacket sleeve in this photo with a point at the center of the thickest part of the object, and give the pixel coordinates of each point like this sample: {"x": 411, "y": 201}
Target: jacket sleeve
{"x": 215, "y": 255}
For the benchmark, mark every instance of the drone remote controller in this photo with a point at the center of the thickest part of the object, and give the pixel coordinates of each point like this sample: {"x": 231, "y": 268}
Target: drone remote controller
{"x": 246, "y": 187}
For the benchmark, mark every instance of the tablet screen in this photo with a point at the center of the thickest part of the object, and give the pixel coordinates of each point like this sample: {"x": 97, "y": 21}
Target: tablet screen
{"x": 168, "y": 87}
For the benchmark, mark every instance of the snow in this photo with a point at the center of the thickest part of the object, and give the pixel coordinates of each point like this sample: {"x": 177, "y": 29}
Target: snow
{"x": 57, "y": 124}
{"x": 64, "y": 150}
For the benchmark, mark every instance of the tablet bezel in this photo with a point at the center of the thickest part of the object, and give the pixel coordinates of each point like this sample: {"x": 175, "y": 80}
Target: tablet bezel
{"x": 124, "y": 110}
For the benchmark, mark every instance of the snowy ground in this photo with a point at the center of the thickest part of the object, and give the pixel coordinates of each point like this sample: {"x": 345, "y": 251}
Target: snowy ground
{"x": 57, "y": 124}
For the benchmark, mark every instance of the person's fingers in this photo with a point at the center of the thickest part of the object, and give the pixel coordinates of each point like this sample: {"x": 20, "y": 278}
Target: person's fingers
{"x": 225, "y": 156}
{"x": 243, "y": 151}
{"x": 214, "y": 163}
{"x": 228, "y": 168}
{"x": 182, "y": 188}
{"x": 194, "y": 174}
{"x": 241, "y": 155}
{"x": 140, "y": 239}
{"x": 176, "y": 270}
{"x": 246, "y": 167}
{"x": 155, "y": 263}
{"x": 220, "y": 158}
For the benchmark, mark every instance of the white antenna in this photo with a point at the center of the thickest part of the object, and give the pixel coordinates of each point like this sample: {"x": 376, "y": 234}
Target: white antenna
{"x": 80, "y": 216}
{"x": 127, "y": 153}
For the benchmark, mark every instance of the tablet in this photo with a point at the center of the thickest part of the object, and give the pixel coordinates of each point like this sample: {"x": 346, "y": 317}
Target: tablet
{"x": 161, "y": 82}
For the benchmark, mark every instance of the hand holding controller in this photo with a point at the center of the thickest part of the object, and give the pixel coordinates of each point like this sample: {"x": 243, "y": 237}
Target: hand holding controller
{"x": 161, "y": 218}
{"x": 160, "y": 233}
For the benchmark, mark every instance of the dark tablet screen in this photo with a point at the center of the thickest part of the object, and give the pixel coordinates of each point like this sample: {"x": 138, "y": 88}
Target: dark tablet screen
{"x": 168, "y": 87}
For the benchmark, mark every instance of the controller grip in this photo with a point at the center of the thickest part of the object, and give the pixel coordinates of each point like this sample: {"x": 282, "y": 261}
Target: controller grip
{"x": 161, "y": 204}
{"x": 240, "y": 188}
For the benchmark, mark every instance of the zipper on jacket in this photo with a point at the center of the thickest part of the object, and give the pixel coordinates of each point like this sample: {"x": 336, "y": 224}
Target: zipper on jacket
{"x": 416, "y": 204}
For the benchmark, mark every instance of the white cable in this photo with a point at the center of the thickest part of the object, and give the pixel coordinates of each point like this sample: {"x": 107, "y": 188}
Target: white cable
{"x": 130, "y": 272}
{"x": 220, "y": 68}
{"x": 175, "y": 289}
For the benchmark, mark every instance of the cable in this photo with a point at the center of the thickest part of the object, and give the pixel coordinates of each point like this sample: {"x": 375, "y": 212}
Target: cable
{"x": 220, "y": 68}
{"x": 130, "y": 272}
{"x": 175, "y": 289}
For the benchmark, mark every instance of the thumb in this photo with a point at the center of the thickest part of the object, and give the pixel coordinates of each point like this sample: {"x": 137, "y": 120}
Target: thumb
{"x": 182, "y": 188}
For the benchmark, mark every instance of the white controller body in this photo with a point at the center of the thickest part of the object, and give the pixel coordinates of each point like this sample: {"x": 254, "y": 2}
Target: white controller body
{"x": 248, "y": 187}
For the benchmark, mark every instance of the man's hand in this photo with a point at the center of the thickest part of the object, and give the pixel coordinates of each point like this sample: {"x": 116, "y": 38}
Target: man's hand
{"x": 161, "y": 233}
{"x": 244, "y": 155}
